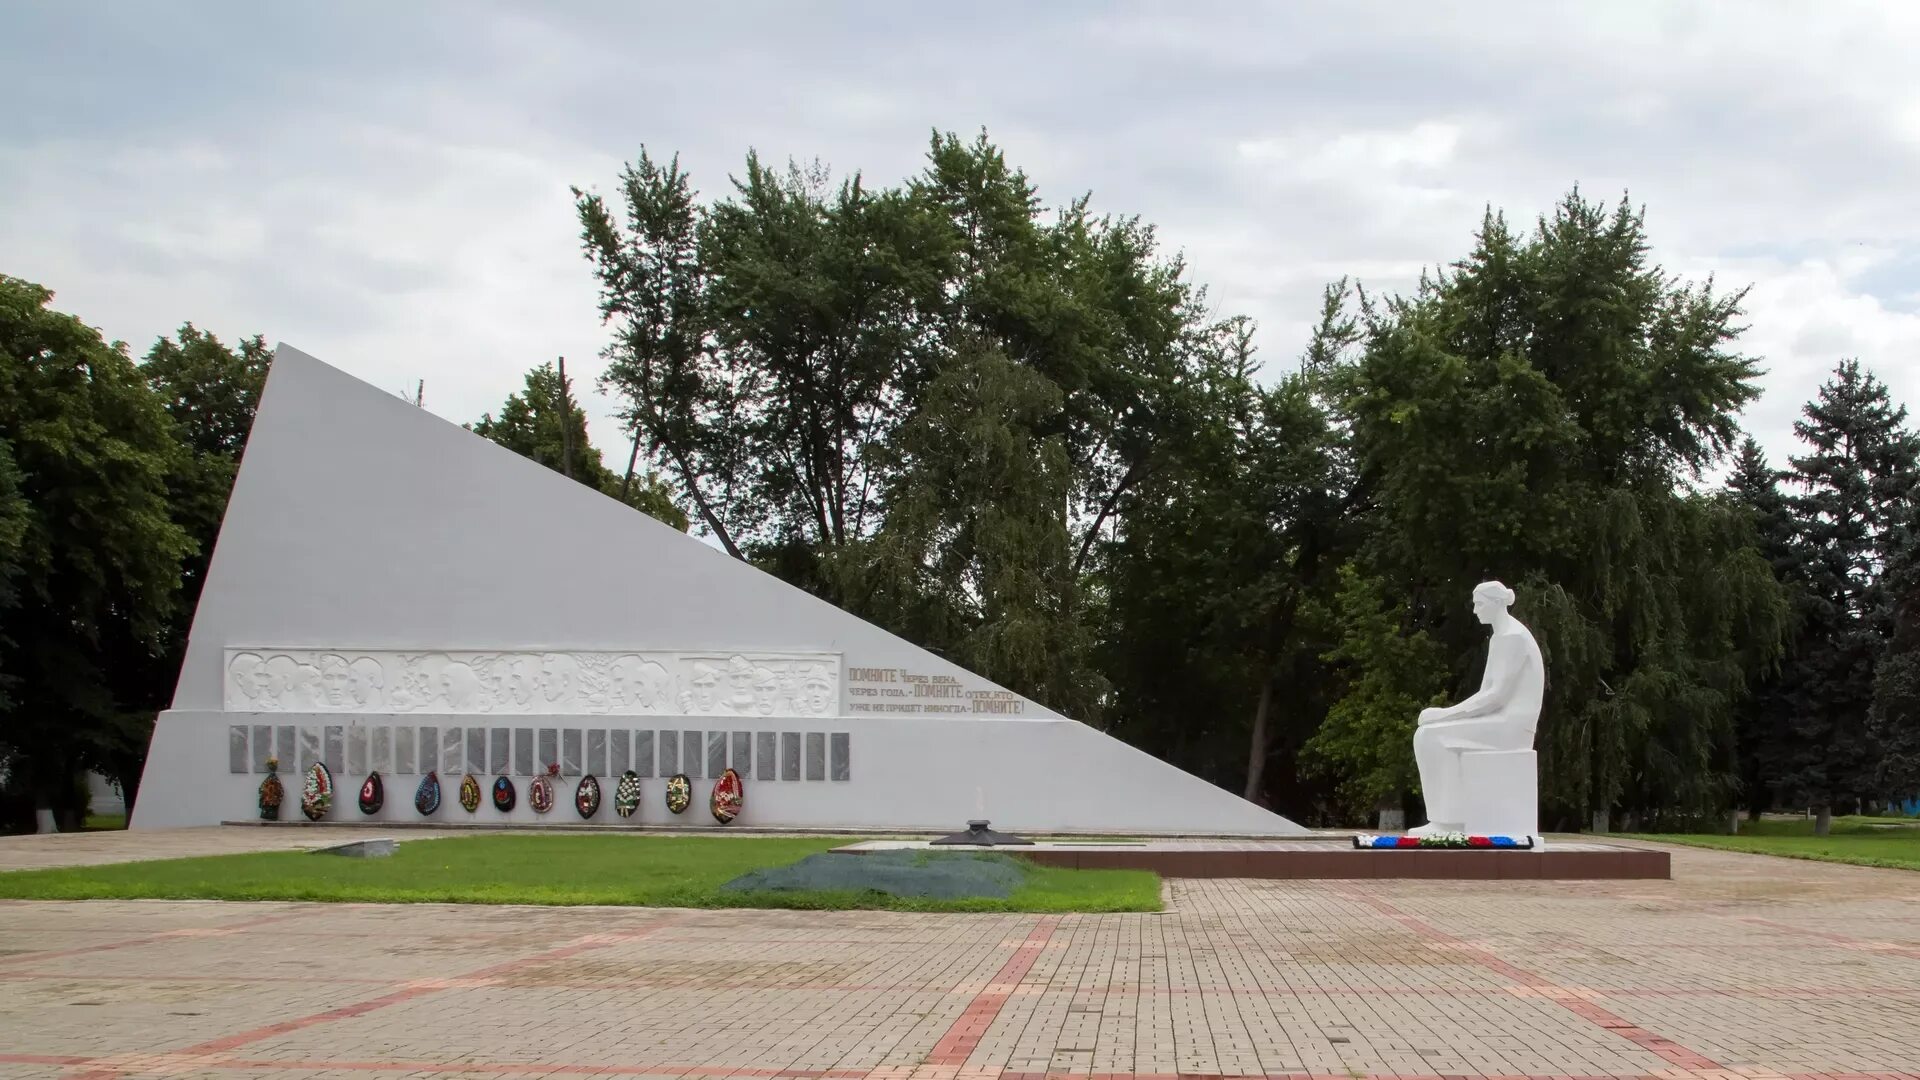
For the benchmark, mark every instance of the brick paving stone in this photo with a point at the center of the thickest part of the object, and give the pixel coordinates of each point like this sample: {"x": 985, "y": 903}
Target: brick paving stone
{"x": 1742, "y": 968}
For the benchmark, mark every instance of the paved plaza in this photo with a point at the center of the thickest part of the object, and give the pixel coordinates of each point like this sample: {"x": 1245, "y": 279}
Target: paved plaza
{"x": 1741, "y": 966}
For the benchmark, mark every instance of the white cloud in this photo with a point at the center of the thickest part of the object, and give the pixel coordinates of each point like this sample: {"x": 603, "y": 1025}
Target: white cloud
{"x": 392, "y": 196}
{"x": 1424, "y": 147}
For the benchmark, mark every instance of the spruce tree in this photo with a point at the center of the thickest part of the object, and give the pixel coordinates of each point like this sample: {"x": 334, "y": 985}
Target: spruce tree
{"x": 1852, "y": 495}
{"x": 1894, "y": 722}
{"x": 1761, "y": 730}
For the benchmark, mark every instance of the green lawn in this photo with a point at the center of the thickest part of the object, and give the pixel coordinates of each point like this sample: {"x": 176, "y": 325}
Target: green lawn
{"x": 646, "y": 871}
{"x": 1863, "y": 841}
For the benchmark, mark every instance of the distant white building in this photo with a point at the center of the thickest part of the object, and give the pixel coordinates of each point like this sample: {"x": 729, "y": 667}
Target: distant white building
{"x": 106, "y": 798}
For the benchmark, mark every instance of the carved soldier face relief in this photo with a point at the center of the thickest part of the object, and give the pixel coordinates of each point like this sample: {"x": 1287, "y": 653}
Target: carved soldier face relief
{"x": 705, "y": 688}
{"x": 290, "y": 684}
{"x": 816, "y": 693}
{"x": 249, "y": 674}
{"x": 766, "y": 691}
{"x": 335, "y": 681}
{"x": 459, "y": 686}
{"x": 395, "y": 681}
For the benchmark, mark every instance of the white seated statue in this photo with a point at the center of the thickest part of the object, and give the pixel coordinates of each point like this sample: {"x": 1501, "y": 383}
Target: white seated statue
{"x": 1477, "y": 765}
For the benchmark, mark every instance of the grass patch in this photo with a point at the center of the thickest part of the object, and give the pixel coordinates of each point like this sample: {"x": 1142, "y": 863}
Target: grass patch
{"x": 104, "y": 823}
{"x": 642, "y": 871}
{"x": 1862, "y": 841}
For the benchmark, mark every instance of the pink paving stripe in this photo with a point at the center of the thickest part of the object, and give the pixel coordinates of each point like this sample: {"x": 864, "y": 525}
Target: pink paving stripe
{"x": 1619, "y": 1025}
{"x": 1105, "y": 990}
{"x": 956, "y": 1046}
{"x": 149, "y": 939}
{"x": 666, "y": 982}
{"x": 891, "y": 1072}
{"x": 531, "y": 1067}
{"x": 345, "y": 1012}
{"x": 215, "y": 1047}
{"x": 1884, "y": 948}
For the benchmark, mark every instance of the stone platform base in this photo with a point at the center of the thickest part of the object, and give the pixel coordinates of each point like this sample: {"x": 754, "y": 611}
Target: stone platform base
{"x": 1328, "y": 858}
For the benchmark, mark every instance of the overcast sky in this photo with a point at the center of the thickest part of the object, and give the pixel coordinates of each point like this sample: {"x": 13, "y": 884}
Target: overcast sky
{"x": 386, "y": 185}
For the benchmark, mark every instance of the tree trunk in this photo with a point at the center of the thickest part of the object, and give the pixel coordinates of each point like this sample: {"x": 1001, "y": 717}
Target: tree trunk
{"x": 1733, "y": 823}
{"x": 1257, "y": 752}
{"x": 1822, "y": 820}
{"x": 626, "y": 482}
{"x": 1600, "y": 823}
{"x": 566, "y": 424}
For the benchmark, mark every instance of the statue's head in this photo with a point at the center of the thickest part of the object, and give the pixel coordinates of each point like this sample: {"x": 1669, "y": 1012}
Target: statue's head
{"x": 1491, "y": 600}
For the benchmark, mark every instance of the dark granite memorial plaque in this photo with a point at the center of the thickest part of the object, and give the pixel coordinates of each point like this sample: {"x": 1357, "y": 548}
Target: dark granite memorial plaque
{"x": 596, "y": 763}
{"x": 642, "y": 763}
{"x": 523, "y": 751}
{"x": 336, "y": 748}
{"x": 668, "y": 751}
{"x": 690, "y": 753}
{"x": 839, "y": 747}
{"x": 429, "y": 759}
{"x": 237, "y": 748}
{"x": 766, "y": 762}
{"x": 789, "y": 755}
{"x": 356, "y": 751}
{"x": 816, "y": 755}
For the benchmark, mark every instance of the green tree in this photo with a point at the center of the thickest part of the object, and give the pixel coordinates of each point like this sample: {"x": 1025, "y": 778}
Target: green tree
{"x": 760, "y": 343}
{"x": 546, "y": 424}
{"x": 209, "y": 392}
{"x": 1894, "y": 722}
{"x": 98, "y": 552}
{"x": 1089, "y": 302}
{"x": 974, "y": 544}
{"x": 1218, "y": 580}
{"x": 1391, "y": 674}
{"x": 675, "y": 402}
{"x": 16, "y": 516}
{"x": 786, "y": 350}
{"x": 1529, "y": 415}
{"x": 1762, "y": 731}
{"x": 1852, "y": 497}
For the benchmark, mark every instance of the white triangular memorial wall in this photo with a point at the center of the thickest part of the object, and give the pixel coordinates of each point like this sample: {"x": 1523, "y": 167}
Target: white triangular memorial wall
{"x": 392, "y": 593}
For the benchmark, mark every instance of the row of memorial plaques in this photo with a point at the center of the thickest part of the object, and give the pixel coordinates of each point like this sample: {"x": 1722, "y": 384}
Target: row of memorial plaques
{"x": 413, "y": 750}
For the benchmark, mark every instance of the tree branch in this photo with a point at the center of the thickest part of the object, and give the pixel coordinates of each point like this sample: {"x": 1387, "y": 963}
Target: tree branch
{"x": 1135, "y": 473}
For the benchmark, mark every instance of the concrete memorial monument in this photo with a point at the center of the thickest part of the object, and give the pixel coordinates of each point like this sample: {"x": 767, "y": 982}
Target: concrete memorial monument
{"x": 391, "y": 593}
{"x": 1478, "y": 770}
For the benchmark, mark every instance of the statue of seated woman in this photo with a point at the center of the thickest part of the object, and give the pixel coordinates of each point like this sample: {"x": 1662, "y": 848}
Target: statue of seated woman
{"x": 1501, "y": 716}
